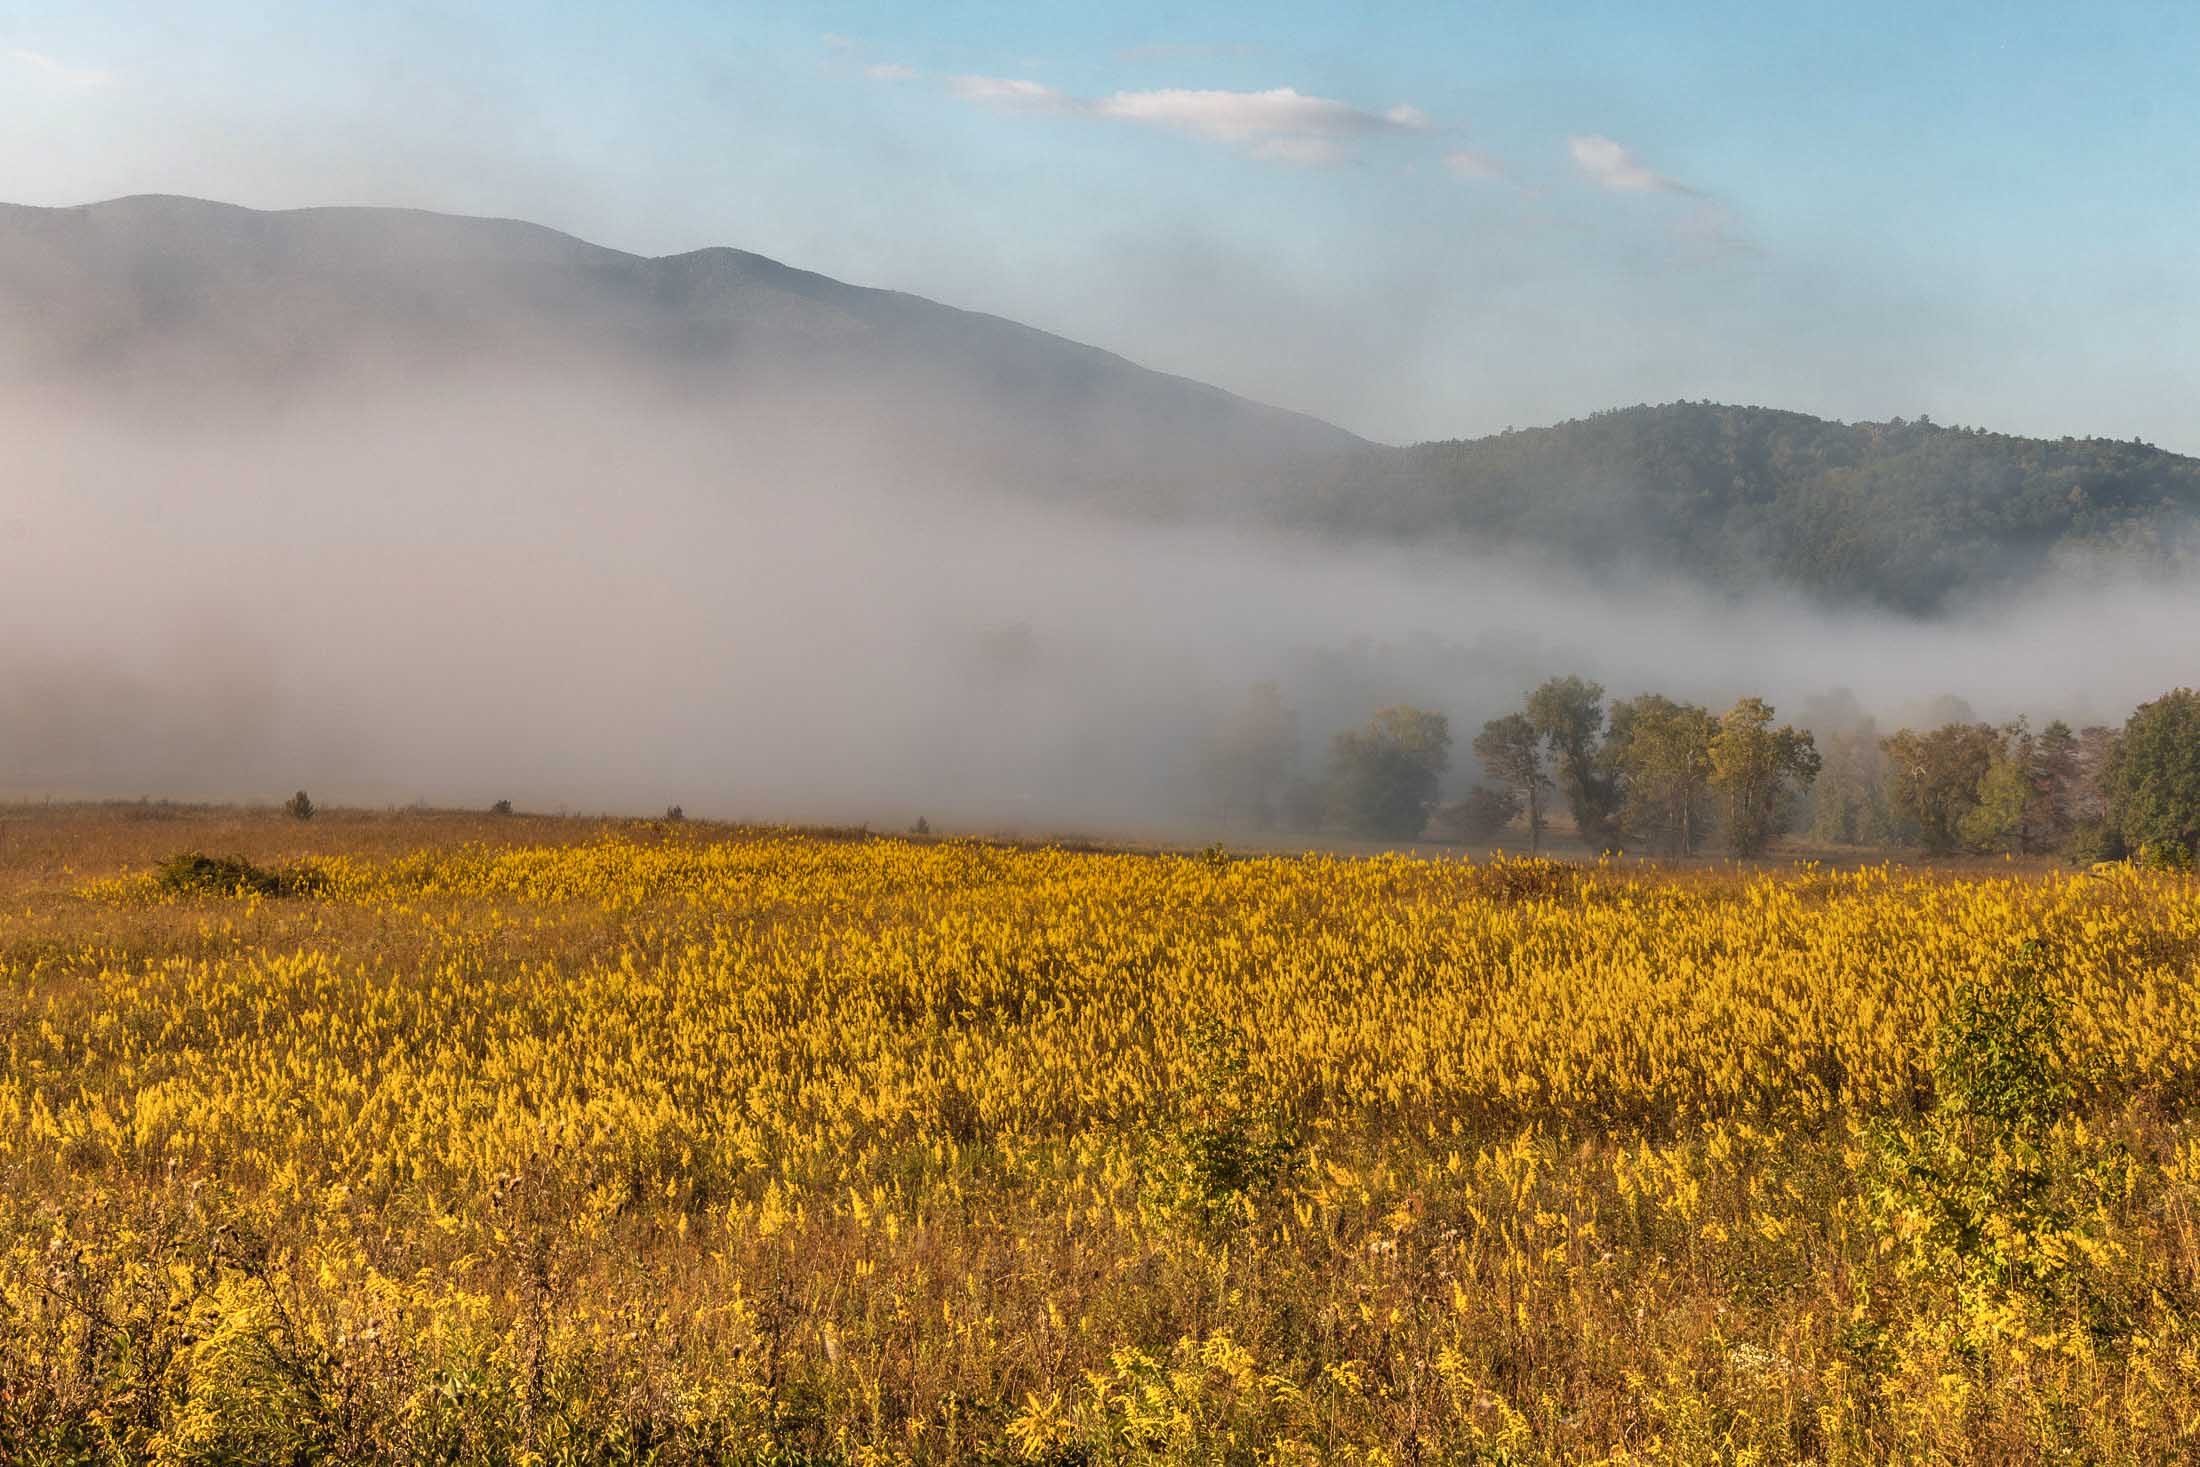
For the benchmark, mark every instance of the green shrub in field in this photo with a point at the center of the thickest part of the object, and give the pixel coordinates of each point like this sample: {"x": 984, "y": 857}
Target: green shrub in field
{"x": 1231, "y": 1145}
{"x": 1999, "y": 1189}
{"x": 195, "y": 874}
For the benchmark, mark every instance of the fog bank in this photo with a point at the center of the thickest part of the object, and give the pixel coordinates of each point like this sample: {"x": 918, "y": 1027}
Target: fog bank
{"x": 572, "y": 599}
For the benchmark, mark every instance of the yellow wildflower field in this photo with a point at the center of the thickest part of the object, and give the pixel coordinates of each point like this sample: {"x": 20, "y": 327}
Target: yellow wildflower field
{"x": 647, "y": 1143}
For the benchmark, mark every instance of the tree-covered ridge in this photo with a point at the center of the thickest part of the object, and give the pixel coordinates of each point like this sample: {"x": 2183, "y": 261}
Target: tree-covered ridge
{"x": 1907, "y": 514}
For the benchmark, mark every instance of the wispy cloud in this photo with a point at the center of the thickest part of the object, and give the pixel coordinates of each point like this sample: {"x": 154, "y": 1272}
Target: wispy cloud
{"x": 1255, "y": 117}
{"x": 60, "y": 73}
{"x": 1706, "y": 228}
{"x": 1281, "y": 124}
{"x": 1612, "y": 165}
{"x": 834, "y": 41}
{"x": 889, "y": 71}
{"x": 1010, "y": 94}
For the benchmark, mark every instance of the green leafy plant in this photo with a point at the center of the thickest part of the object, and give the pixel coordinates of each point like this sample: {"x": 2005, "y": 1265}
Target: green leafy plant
{"x": 194, "y": 873}
{"x": 2000, "y": 1189}
{"x": 1231, "y": 1144}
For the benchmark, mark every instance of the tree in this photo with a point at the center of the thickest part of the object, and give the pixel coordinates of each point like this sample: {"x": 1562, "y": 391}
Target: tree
{"x": 1512, "y": 751}
{"x": 1662, "y": 750}
{"x": 2050, "y": 813}
{"x": 2093, "y": 835}
{"x": 1569, "y": 714}
{"x": 1995, "y": 822}
{"x": 2155, "y": 782}
{"x": 1933, "y": 778}
{"x": 2096, "y": 768}
{"x": 1754, "y": 766}
{"x": 1849, "y": 800}
{"x": 1250, "y": 760}
{"x": 1386, "y": 774}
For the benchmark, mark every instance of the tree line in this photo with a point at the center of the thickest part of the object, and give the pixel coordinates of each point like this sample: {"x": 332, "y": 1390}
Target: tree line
{"x": 1658, "y": 774}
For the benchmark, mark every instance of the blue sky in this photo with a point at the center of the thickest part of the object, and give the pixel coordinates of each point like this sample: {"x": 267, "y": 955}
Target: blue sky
{"x": 1417, "y": 220}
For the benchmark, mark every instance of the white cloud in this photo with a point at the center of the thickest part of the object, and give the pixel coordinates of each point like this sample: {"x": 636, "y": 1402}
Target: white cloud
{"x": 1250, "y": 117}
{"x": 1466, "y": 163}
{"x": 1615, "y": 166}
{"x": 1281, "y": 124}
{"x": 889, "y": 71}
{"x": 60, "y": 73}
{"x": 837, "y": 42}
{"x": 1018, "y": 96}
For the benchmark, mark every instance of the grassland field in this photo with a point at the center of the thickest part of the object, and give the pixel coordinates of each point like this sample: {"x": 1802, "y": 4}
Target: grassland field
{"x": 456, "y": 1139}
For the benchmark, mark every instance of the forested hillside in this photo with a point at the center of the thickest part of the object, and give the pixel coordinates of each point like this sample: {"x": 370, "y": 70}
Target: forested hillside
{"x": 1905, "y": 514}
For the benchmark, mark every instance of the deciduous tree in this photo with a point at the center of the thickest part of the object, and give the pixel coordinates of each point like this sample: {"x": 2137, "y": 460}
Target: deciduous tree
{"x": 1754, "y": 768}
{"x": 2155, "y": 785}
{"x": 1569, "y": 714}
{"x": 1386, "y": 774}
{"x": 1662, "y": 750}
{"x": 1512, "y": 751}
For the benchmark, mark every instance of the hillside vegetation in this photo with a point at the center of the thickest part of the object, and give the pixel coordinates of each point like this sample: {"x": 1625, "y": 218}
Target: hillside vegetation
{"x": 666, "y": 1144}
{"x": 1908, "y": 515}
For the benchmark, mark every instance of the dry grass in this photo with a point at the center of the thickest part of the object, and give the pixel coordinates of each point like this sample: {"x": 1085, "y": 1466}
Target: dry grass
{"x": 570, "y": 1141}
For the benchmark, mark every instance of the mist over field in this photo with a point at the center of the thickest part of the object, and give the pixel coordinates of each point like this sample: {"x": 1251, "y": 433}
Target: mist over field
{"x": 574, "y": 594}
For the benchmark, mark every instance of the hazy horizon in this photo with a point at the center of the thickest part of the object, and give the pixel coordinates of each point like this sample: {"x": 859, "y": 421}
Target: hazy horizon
{"x": 391, "y": 510}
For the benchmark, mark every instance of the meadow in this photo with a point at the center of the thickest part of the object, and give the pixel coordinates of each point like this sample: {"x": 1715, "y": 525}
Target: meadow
{"x": 459, "y": 1139}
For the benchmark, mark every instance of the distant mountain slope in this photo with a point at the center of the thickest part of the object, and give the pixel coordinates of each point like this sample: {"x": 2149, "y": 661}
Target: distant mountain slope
{"x": 164, "y": 301}
{"x": 168, "y": 297}
{"x": 1904, "y": 514}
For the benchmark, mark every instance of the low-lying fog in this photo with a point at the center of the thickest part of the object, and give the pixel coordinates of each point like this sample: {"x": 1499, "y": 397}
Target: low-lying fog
{"x": 466, "y": 595}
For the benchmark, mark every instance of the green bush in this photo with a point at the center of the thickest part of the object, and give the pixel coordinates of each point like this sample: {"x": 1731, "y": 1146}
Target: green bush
{"x": 2166, "y": 855}
{"x": 1232, "y": 1145}
{"x": 195, "y": 874}
{"x": 1999, "y": 1190}
{"x": 300, "y": 806}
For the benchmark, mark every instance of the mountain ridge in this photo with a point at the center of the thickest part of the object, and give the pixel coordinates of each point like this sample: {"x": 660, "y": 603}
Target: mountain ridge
{"x": 164, "y": 298}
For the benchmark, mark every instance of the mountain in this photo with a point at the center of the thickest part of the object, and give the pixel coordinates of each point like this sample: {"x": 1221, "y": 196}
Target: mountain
{"x": 169, "y": 300}
{"x": 169, "y": 304}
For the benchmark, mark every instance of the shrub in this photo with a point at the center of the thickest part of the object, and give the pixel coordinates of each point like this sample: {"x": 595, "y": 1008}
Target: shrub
{"x": 193, "y": 873}
{"x": 675, "y": 814}
{"x": 299, "y": 806}
{"x": 1998, "y": 1190}
{"x": 1232, "y": 1144}
{"x": 501, "y": 807}
{"x": 2166, "y": 855}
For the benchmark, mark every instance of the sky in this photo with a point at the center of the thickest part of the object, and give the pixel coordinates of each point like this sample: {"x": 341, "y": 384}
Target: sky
{"x": 1415, "y": 220}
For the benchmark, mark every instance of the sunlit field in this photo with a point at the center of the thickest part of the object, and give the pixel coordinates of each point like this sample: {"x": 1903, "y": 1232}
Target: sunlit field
{"x": 458, "y": 1139}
